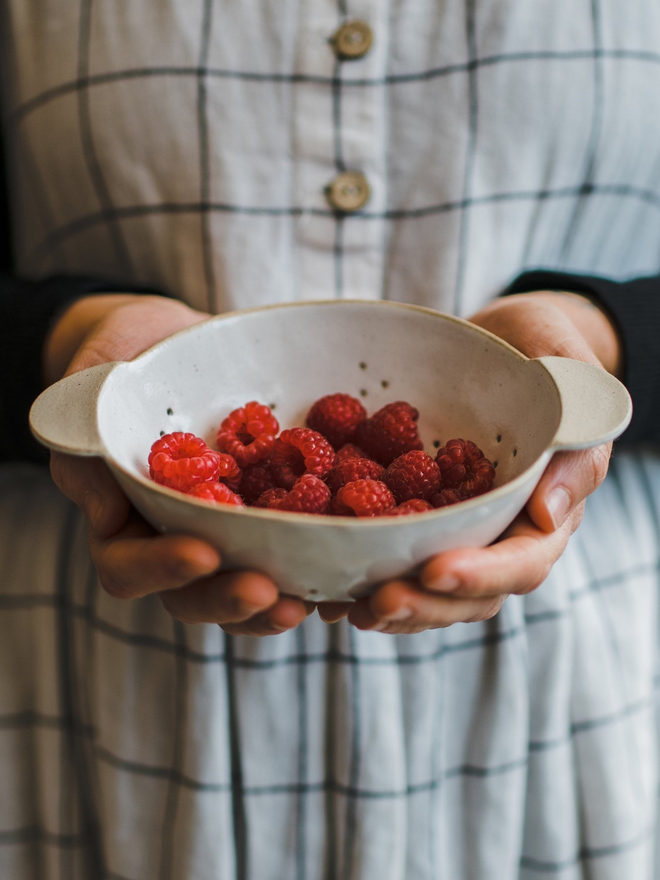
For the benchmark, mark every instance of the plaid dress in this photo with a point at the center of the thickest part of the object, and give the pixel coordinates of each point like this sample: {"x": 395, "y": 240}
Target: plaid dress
{"x": 188, "y": 144}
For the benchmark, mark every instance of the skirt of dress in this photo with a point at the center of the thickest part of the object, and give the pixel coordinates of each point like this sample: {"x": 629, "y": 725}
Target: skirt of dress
{"x": 133, "y": 747}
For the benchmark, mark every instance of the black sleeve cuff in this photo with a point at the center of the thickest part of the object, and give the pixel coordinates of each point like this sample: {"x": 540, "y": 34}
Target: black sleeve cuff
{"x": 634, "y": 307}
{"x": 27, "y": 312}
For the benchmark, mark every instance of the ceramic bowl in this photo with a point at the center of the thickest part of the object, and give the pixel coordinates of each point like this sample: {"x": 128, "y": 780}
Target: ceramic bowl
{"x": 464, "y": 381}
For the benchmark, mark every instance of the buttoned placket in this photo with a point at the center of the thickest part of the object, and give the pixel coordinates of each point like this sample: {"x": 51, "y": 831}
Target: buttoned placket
{"x": 340, "y": 129}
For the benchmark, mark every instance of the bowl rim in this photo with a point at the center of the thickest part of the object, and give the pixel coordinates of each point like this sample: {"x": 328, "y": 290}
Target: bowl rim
{"x": 307, "y": 303}
{"x": 316, "y": 520}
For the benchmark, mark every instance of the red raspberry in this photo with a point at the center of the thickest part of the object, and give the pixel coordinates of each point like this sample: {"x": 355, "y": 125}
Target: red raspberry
{"x": 309, "y": 495}
{"x": 482, "y": 479}
{"x": 412, "y": 475}
{"x": 350, "y": 451}
{"x": 230, "y": 473}
{"x": 454, "y": 459}
{"x": 336, "y": 417}
{"x": 299, "y": 451}
{"x": 352, "y": 469}
{"x": 182, "y": 461}
{"x": 269, "y": 496}
{"x": 413, "y": 505}
{"x": 463, "y": 466}
{"x": 390, "y": 432}
{"x": 257, "y": 479}
{"x": 218, "y": 493}
{"x": 248, "y": 433}
{"x": 446, "y": 497}
{"x": 364, "y": 498}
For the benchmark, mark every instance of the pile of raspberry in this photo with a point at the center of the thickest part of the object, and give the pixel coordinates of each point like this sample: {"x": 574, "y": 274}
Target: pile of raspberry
{"x": 342, "y": 463}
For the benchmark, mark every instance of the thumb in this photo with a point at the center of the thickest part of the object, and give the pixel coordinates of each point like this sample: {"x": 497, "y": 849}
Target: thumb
{"x": 130, "y": 327}
{"x": 536, "y": 327}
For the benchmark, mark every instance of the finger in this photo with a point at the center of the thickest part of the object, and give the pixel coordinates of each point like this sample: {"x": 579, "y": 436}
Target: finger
{"x": 518, "y": 563}
{"x": 89, "y": 483}
{"x": 331, "y": 612}
{"x": 400, "y": 607}
{"x": 138, "y": 561}
{"x": 536, "y": 327}
{"x": 225, "y": 598}
{"x": 286, "y": 614}
{"x": 568, "y": 480}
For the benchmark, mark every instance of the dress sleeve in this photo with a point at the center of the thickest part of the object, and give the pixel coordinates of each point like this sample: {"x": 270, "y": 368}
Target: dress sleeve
{"x": 27, "y": 312}
{"x": 634, "y": 307}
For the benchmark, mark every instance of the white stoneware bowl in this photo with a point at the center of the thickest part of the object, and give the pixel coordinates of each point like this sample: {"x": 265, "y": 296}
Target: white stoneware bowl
{"x": 464, "y": 381}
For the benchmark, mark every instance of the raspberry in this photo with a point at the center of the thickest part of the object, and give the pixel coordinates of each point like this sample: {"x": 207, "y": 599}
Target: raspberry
{"x": 454, "y": 459}
{"x": 352, "y": 469}
{"x": 309, "y": 495}
{"x": 230, "y": 473}
{"x": 182, "y": 461}
{"x": 257, "y": 479}
{"x": 364, "y": 498}
{"x": 336, "y": 417}
{"x": 350, "y": 451}
{"x": 464, "y": 467}
{"x": 413, "y": 505}
{"x": 299, "y": 451}
{"x": 412, "y": 475}
{"x": 269, "y": 496}
{"x": 446, "y": 497}
{"x": 248, "y": 433}
{"x": 219, "y": 493}
{"x": 390, "y": 432}
{"x": 482, "y": 479}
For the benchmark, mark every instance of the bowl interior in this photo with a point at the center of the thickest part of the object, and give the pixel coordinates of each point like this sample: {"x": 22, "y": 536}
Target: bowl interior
{"x": 464, "y": 382}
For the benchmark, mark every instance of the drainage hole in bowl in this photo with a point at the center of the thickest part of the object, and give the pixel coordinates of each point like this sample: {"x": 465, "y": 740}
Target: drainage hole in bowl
{"x": 436, "y": 444}
{"x": 162, "y": 433}
{"x": 363, "y": 392}
{"x": 170, "y": 411}
{"x": 499, "y": 438}
{"x": 385, "y": 384}
{"x": 272, "y": 406}
{"x": 363, "y": 366}
{"x": 515, "y": 452}
{"x": 495, "y": 463}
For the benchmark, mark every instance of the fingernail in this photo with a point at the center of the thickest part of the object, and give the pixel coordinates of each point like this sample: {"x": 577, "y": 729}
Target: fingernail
{"x": 191, "y": 569}
{"x": 402, "y": 613}
{"x": 242, "y": 607}
{"x": 446, "y": 583}
{"x": 558, "y": 504}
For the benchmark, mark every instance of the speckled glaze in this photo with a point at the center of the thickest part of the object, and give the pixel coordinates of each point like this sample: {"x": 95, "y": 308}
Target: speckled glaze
{"x": 464, "y": 381}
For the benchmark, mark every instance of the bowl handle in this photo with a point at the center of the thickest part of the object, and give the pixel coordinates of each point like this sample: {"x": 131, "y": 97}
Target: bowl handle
{"x": 595, "y": 406}
{"x": 64, "y": 416}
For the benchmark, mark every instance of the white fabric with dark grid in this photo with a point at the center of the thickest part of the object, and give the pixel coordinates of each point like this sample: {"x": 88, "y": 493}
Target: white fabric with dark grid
{"x": 188, "y": 145}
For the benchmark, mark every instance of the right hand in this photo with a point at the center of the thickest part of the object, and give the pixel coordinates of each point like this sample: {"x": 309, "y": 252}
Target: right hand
{"x": 131, "y": 558}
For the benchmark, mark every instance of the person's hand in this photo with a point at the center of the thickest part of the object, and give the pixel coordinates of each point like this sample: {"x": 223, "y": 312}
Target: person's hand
{"x": 471, "y": 584}
{"x": 131, "y": 558}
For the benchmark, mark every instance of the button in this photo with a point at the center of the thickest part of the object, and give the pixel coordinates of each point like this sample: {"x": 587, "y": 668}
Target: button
{"x": 349, "y": 191}
{"x": 352, "y": 40}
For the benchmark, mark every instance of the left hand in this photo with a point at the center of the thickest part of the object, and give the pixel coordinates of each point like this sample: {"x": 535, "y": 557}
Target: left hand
{"x": 471, "y": 584}
{"x": 131, "y": 558}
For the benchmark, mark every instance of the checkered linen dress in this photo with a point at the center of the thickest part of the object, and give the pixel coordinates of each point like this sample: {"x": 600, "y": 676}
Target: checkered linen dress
{"x": 187, "y": 144}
